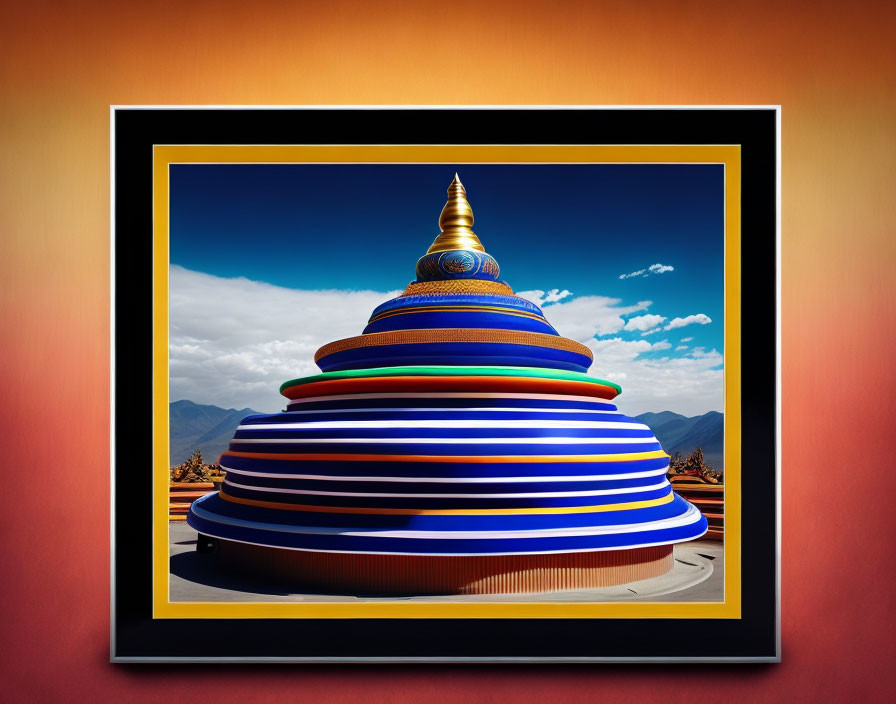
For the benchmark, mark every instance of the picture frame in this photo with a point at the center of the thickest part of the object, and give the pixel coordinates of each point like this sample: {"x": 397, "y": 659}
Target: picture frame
{"x": 147, "y": 626}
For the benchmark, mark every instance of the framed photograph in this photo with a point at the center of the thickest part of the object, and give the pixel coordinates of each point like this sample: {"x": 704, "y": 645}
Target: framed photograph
{"x": 445, "y": 384}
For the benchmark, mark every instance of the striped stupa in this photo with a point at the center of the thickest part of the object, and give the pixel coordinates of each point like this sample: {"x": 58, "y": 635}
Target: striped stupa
{"x": 456, "y": 446}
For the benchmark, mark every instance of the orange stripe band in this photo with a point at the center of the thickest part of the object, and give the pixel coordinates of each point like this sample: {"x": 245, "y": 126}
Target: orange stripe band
{"x": 457, "y": 287}
{"x": 409, "y": 337}
{"x": 457, "y": 383}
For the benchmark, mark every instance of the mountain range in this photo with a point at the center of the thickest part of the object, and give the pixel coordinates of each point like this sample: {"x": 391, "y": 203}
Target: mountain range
{"x": 209, "y": 429}
{"x": 206, "y": 428}
{"x": 677, "y": 433}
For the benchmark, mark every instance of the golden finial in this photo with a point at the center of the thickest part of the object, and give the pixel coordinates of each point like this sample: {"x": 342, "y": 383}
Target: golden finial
{"x": 456, "y": 222}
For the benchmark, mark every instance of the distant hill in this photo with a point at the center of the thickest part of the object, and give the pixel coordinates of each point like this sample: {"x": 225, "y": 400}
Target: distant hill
{"x": 206, "y": 428}
{"x": 677, "y": 433}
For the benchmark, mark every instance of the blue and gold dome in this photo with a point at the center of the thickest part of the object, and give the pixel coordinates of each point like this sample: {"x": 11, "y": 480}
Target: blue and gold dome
{"x": 456, "y": 312}
{"x": 456, "y": 446}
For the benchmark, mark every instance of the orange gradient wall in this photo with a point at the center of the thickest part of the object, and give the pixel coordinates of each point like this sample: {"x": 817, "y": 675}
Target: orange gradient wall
{"x": 832, "y": 66}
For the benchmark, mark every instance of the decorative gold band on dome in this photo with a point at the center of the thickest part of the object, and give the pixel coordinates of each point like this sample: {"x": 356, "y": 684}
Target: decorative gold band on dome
{"x": 404, "y": 337}
{"x": 457, "y": 287}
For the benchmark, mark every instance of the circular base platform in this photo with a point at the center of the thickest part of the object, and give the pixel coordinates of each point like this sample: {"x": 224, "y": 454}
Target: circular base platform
{"x": 413, "y": 574}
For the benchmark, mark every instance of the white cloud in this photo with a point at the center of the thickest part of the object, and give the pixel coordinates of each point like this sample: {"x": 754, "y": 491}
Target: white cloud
{"x": 644, "y": 322}
{"x": 686, "y": 339}
{"x": 233, "y": 342}
{"x": 586, "y": 316}
{"x": 542, "y": 298}
{"x": 680, "y": 348}
{"x": 698, "y": 319}
{"x": 660, "y": 268}
{"x": 650, "y": 332}
{"x": 652, "y": 269}
{"x": 535, "y": 295}
{"x": 686, "y": 385}
{"x": 633, "y": 274}
{"x": 554, "y": 295}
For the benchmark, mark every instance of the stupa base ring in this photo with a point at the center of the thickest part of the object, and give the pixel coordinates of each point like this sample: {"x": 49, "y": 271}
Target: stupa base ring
{"x": 355, "y": 573}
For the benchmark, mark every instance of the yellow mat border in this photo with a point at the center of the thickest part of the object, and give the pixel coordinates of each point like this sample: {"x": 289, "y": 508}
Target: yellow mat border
{"x": 728, "y": 155}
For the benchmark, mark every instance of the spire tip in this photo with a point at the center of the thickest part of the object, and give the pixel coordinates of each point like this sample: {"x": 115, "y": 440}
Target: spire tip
{"x": 456, "y": 222}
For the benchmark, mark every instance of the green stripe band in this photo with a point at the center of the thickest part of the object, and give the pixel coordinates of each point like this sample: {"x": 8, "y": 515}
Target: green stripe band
{"x": 450, "y": 371}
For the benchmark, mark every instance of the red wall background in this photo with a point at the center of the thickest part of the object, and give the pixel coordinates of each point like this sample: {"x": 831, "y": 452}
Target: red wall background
{"x": 831, "y": 65}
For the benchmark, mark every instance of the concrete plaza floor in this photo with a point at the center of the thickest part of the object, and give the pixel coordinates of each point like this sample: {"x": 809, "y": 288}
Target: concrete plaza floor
{"x": 698, "y": 575}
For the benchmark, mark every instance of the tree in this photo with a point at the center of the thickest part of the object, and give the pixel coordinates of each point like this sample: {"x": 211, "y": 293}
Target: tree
{"x": 676, "y": 463}
{"x": 194, "y": 470}
{"x": 694, "y": 465}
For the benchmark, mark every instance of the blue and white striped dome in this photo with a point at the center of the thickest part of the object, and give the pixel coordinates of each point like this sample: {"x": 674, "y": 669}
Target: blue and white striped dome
{"x": 459, "y": 429}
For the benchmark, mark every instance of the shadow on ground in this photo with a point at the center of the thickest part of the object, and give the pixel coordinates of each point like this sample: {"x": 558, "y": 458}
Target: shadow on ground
{"x": 211, "y": 572}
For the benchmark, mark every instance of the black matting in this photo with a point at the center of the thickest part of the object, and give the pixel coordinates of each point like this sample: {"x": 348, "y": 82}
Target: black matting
{"x": 136, "y": 636}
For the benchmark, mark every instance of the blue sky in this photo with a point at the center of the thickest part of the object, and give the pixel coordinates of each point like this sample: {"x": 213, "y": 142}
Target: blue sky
{"x": 574, "y": 228}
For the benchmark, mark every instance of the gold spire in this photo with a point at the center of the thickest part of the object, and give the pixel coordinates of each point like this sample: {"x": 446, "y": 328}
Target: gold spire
{"x": 456, "y": 222}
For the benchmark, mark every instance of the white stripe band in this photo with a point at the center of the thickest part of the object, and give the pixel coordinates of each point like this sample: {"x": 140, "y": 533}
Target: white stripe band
{"x": 692, "y": 515}
{"x": 490, "y": 409}
{"x": 452, "y": 441}
{"x": 534, "y": 495}
{"x": 348, "y": 424}
{"x": 452, "y": 480}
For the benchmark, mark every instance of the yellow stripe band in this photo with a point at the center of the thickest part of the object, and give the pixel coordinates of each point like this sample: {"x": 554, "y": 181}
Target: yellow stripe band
{"x": 627, "y": 506}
